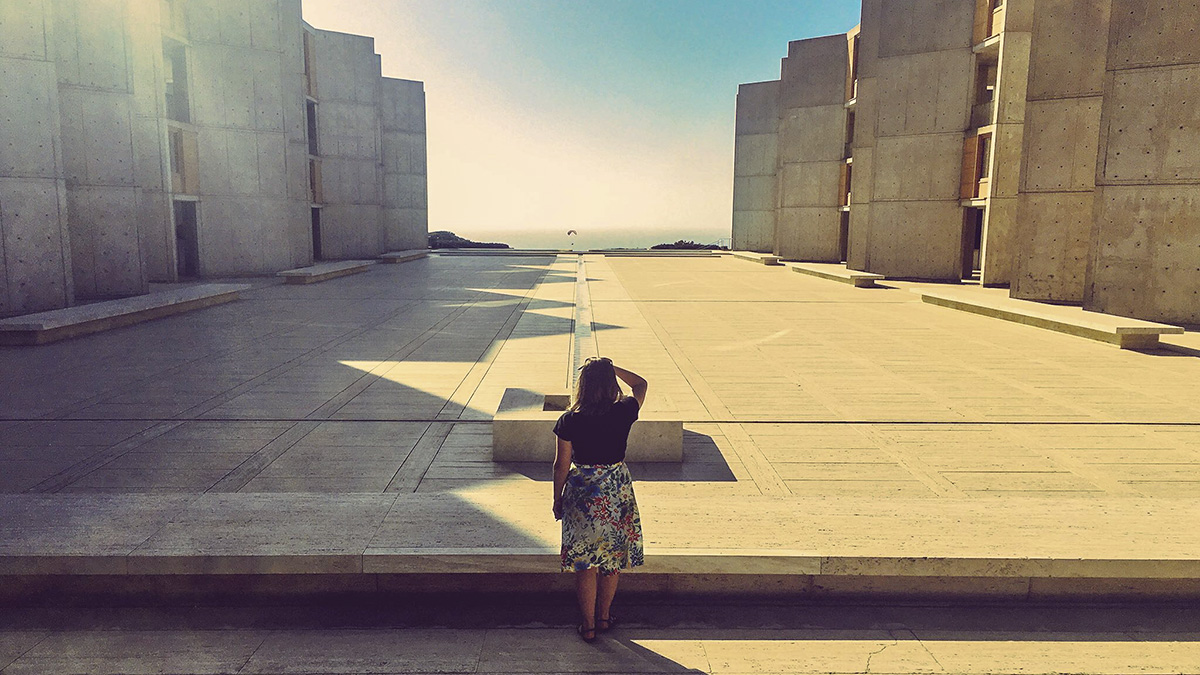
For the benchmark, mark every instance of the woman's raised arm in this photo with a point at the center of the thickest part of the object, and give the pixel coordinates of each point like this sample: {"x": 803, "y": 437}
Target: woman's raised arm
{"x": 635, "y": 382}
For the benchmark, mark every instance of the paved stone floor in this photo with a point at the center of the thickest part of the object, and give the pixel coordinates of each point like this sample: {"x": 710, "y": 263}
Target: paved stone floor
{"x": 473, "y": 636}
{"x": 351, "y": 417}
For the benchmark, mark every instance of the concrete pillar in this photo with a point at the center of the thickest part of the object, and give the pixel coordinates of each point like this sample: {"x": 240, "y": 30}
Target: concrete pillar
{"x": 35, "y": 251}
{"x": 405, "y": 180}
{"x": 1062, "y": 129}
{"x": 913, "y": 106}
{"x": 1145, "y": 258}
{"x": 811, "y": 149}
{"x": 754, "y": 167}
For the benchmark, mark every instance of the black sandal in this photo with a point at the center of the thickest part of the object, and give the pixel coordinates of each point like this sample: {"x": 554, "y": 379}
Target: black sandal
{"x": 608, "y": 624}
{"x": 583, "y": 631}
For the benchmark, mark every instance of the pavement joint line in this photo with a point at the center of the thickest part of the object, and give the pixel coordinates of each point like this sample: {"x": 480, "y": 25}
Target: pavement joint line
{"x": 248, "y": 469}
{"x": 429, "y": 445}
{"x": 698, "y": 420}
{"x": 83, "y": 467}
{"x": 488, "y": 358}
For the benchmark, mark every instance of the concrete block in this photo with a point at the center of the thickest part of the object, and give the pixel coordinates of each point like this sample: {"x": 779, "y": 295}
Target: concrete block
{"x": 810, "y": 184}
{"x": 23, "y": 29}
{"x": 55, "y": 325}
{"x": 1147, "y": 142}
{"x": 395, "y": 257}
{"x": 1060, "y": 145}
{"x": 523, "y": 431}
{"x": 29, "y": 102}
{"x": 324, "y": 271}
{"x": 1068, "y": 50}
{"x": 838, "y": 272}
{"x": 809, "y": 234}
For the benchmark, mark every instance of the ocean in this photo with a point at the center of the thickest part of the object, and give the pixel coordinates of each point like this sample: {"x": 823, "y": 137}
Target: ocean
{"x": 590, "y": 239}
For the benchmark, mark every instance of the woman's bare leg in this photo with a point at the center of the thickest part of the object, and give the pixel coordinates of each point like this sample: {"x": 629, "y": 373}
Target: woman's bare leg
{"x": 585, "y": 591}
{"x": 607, "y": 589}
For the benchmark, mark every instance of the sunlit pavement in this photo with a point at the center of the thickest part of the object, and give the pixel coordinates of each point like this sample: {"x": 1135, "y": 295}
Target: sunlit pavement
{"x": 311, "y": 428}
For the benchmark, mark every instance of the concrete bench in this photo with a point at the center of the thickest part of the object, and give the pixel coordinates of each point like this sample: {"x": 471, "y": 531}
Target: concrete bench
{"x": 840, "y": 273}
{"x": 1118, "y": 330}
{"x": 523, "y": 431}
{"x": 763, "y": 258}
{"x": 324, "y": 271}
{"x": 60, "y": 324}
{"x": 403, "y": 256}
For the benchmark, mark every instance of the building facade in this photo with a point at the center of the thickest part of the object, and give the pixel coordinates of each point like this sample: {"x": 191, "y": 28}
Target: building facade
{"x": 1046, "y": 146}
{"x": 164, "y": 140}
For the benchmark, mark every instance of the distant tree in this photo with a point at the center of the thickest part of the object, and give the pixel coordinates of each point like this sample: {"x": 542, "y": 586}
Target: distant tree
{"x": 686, "y": 245}
{"x": 445, "y": 239}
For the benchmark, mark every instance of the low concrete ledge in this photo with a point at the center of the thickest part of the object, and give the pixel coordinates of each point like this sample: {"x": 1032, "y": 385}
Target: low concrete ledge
{"x": 523, "y": 431}
{"x": 762, "y": 258}
{"x": 61, "y": 324}
{"x": 403, "y": 256}
{"x": 324, "y": 271}
{"x": 838, "y": 273}
{"x": 1118, "y": 330}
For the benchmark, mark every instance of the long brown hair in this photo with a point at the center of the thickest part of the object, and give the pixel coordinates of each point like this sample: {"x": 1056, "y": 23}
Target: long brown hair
{"x": 597, "y": 388}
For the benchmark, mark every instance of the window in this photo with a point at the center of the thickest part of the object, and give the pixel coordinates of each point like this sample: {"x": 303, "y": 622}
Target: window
{"x": 175, "y": 67}
{"x": 310, "y": 115}
{"x": 310, "y": 81}
{"x": 985, "y": 156}
{"x": 184, "y": 155}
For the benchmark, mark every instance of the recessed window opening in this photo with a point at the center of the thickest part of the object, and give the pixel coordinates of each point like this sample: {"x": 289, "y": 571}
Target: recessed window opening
{"x": 175, "y": 67}
{"x": 310, "y": 115}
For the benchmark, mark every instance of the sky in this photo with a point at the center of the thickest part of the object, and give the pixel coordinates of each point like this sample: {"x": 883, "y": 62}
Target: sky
{"x": 610, "y": 117}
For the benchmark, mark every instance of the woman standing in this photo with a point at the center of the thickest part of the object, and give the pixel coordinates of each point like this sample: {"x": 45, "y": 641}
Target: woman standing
{"x": 601, "y": 530}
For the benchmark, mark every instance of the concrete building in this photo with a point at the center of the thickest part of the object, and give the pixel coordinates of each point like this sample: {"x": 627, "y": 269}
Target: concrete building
{"x": 159, "y": 140}
{"x": 1047, "y": 147}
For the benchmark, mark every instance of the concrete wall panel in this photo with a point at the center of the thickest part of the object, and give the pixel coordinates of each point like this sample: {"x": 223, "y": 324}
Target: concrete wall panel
{"x": 407, "y": 229}
{"x": 36, "y": 249}
{"x": 757, "y": 108}
{"x": 93, "y": 44}
{"x": 1154, "y": 126}
{"x": 859, "y": 241}
{"x": 1052, "y": 246}
{"x": 814, "y": 73}
{"x": 106, "y": 260}
{"x": 809, "y": 234}
{"x": 1069, "y": 47}
{"x": 405, "y": 191}
{"x": 754, "y": 193}
{"x": 754, "y": 231}
{"x": 1147, "y": 253}
{"x": 29, "y": 102}
{"x": 811, "y": 184}
{"x": 1060, "y": 145}
{"x": 916, "y": 239}
{"x": 925, "y": 93}
{"x": 23, "y": 28}
{"x": 923, "y": 26}
{"x": 1153, "y": 33}
{"x": 915, "y": 168}
{"x": 755, "y": 155}
{"x": 812, "y": 134}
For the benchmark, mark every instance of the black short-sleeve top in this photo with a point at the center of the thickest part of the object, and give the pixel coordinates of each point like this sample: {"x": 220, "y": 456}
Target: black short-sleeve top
{"x": 599, "y": 439}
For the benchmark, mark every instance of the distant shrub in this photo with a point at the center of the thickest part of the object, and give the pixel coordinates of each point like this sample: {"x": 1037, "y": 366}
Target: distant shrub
{"x": 685, "y": 245}
{"x": 444, "y": 239}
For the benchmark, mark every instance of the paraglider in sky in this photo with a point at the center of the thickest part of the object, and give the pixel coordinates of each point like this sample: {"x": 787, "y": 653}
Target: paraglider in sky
{"x": 572, "y": 234}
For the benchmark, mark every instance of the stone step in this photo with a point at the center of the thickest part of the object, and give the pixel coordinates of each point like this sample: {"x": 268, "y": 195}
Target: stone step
{"x": 838, "y": 272}
{"x": 763, "y": 258}
{"x": 1118, "y": 330}
{"x": 394, "y": 257}
{"x": 70, "y": 322}
{"x": 324, "y": 271}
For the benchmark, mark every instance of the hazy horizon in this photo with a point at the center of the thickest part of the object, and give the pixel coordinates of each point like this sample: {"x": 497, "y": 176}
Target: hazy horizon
{"x": 613, "y": 118}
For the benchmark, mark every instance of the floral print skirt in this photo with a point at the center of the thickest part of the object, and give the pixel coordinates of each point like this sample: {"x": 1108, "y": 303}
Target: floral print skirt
{"x": 600, "y": 525}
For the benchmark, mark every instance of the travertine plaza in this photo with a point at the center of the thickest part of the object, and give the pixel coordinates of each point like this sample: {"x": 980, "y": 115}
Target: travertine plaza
{"x": 305, "y": 478}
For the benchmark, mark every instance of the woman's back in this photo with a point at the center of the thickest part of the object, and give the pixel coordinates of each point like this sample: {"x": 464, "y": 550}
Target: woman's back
{"x": 599, "y": 438}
